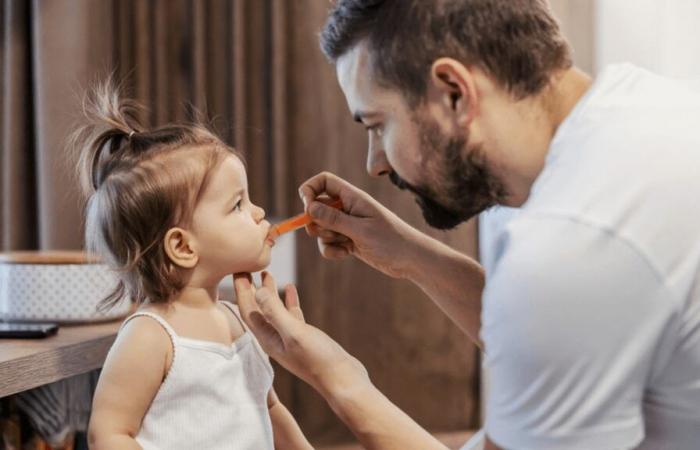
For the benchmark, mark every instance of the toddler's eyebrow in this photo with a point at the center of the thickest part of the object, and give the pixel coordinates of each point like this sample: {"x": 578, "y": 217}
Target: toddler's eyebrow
{"x": 237, "y": 194}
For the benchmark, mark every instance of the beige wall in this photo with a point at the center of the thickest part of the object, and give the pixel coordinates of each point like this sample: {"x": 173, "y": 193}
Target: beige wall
{"x": 577, "y": 21}
{"x": 672, "y": 49}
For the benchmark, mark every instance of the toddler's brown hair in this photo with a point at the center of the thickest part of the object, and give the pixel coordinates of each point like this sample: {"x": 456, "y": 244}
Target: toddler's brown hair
{"x": 139, "y": 183}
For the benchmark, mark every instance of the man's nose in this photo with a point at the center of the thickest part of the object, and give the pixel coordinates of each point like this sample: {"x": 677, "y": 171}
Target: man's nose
{"x": 377, "y": 163}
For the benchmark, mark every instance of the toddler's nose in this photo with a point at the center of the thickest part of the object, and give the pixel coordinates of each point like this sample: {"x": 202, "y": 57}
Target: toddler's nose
{"x": 258, "y": 214}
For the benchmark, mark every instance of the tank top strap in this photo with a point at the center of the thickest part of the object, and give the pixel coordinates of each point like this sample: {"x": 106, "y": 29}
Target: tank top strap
{"x": 236, "y": 313}
{"x": 259, "y": 350}
{"x": 166, "y": 326}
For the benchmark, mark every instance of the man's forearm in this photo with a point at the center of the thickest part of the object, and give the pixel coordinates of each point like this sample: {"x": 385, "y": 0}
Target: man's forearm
{"x": 376, "y": 422}
{"x": 453, "y": 280}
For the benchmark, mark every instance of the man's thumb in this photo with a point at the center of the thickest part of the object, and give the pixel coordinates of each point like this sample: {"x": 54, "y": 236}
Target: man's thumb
{"x": 331, "y": 218}
{"x": 275, "y": 312}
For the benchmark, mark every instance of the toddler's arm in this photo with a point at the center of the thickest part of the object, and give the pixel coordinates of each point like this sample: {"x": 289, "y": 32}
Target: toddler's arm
{"x": 288, "y": 435}
{"x": 130, "y": 378}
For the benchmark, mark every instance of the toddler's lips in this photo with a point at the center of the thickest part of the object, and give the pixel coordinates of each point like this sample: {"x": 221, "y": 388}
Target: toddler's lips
{"x": 272, "y": 234}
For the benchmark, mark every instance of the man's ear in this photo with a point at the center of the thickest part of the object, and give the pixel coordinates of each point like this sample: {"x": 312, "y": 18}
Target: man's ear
{"x": 455, "y": 85}
{"x": 180, "y": 248}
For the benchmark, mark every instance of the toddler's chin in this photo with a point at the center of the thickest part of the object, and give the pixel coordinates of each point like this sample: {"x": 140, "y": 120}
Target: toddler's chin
{"x": 263, "y": 263}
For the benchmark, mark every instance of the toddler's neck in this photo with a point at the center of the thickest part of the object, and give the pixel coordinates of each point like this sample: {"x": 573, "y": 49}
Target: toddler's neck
{"x": 197, "y": 297}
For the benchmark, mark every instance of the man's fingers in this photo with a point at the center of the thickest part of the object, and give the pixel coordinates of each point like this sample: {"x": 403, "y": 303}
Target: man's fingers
{"x": 268, "y": 281}
{"x": 323, "y": 183}
{"x": 245, "y": 297}
{"x": 331, "y": 185}
{"x": 333, "y": 251}
{"x": 313, "y": 229}
{"x": 291, "y": 301}
{"x": 267, "y": 336}
{"x": 334, "y": 243}
{"x": 244, "y": 288}
{"x": 243, "y": 276}
{"x": 331, "y": 218}
{"x": 275, "y": 312}
{"x": 331, "y": 236}
{"x": 291, "y": 296}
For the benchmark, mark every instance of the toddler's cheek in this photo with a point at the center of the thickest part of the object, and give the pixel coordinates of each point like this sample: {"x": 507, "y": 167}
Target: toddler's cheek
{"x": 264, "y": 260}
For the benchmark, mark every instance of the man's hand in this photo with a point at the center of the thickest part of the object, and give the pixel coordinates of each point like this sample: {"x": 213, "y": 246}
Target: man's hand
{"x": 313, "y": 356}
{"x": 302, "y": 349}
{"x": 364, "y": 228}
{"x": 371, "y": 232}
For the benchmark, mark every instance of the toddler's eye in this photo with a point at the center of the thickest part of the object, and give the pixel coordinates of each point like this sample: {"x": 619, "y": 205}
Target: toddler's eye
{"x": 237, "y": 206}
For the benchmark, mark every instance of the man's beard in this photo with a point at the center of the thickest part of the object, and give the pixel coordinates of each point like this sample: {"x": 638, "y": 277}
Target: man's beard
{"x": 456, "y": 187}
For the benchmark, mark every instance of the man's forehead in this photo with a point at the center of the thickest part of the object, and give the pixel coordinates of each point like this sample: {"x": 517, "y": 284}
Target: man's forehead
{"x": 351, "y": 65}
{"x": 358, "y": 82}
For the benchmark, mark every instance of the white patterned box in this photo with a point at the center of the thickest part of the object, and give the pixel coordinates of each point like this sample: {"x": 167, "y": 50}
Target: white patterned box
{"x": 55, "y": 287}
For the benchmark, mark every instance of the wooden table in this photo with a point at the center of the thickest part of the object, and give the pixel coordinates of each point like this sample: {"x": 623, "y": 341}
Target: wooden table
{"x": 76, "y": 349}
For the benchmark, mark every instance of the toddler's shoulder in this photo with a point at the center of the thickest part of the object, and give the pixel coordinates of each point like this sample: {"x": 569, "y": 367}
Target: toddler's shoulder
{"x": 142, "y": 337}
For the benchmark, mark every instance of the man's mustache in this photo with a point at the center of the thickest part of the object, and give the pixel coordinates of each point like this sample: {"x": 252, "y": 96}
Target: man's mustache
{"x": 435, "y": 214}
{"x": 403, "y": 184}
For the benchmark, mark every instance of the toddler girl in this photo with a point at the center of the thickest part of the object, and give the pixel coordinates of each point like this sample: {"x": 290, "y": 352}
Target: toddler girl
{"x": 169, "y": 209}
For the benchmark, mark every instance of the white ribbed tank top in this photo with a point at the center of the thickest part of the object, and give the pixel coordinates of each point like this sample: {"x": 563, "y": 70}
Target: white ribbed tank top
{"x": 213, "y": 397}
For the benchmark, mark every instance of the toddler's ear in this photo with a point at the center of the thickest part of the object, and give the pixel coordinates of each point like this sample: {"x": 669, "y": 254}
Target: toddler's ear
{"x": 180, "y": 249}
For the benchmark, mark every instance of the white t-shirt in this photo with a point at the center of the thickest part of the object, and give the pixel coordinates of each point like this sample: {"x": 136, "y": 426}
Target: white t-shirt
{"x": 591, "y": 316}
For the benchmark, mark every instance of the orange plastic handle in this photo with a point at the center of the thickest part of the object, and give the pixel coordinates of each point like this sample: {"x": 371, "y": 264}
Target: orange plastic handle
{"x": 301, "y": 220}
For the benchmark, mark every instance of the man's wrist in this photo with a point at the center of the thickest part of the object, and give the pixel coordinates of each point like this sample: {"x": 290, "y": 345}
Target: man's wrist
{"x": 341, "y": 377}
{"x": 345, "y": 399}
{"x": 417, "y": 255}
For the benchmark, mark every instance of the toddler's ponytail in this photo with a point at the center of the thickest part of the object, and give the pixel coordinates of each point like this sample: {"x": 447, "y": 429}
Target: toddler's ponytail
{"x": 104, "y": 140}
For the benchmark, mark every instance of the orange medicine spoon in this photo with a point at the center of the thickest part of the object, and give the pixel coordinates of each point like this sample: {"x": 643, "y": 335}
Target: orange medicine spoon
{"x": 301, "y": 220}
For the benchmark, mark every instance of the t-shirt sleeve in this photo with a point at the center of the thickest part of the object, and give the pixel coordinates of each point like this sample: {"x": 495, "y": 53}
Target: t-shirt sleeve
{"x": 571, "y": 319}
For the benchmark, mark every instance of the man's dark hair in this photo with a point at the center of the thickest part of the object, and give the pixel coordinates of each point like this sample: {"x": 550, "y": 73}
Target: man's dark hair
{"x": 517, "y": 42}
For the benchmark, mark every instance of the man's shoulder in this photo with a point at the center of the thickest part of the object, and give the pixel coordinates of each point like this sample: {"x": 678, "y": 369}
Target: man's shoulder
{"x": 628, "y": 105}
{"x": 628, "y": 85}
{"x": 629, "y": 156}
{"x": 558, "y": 241}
